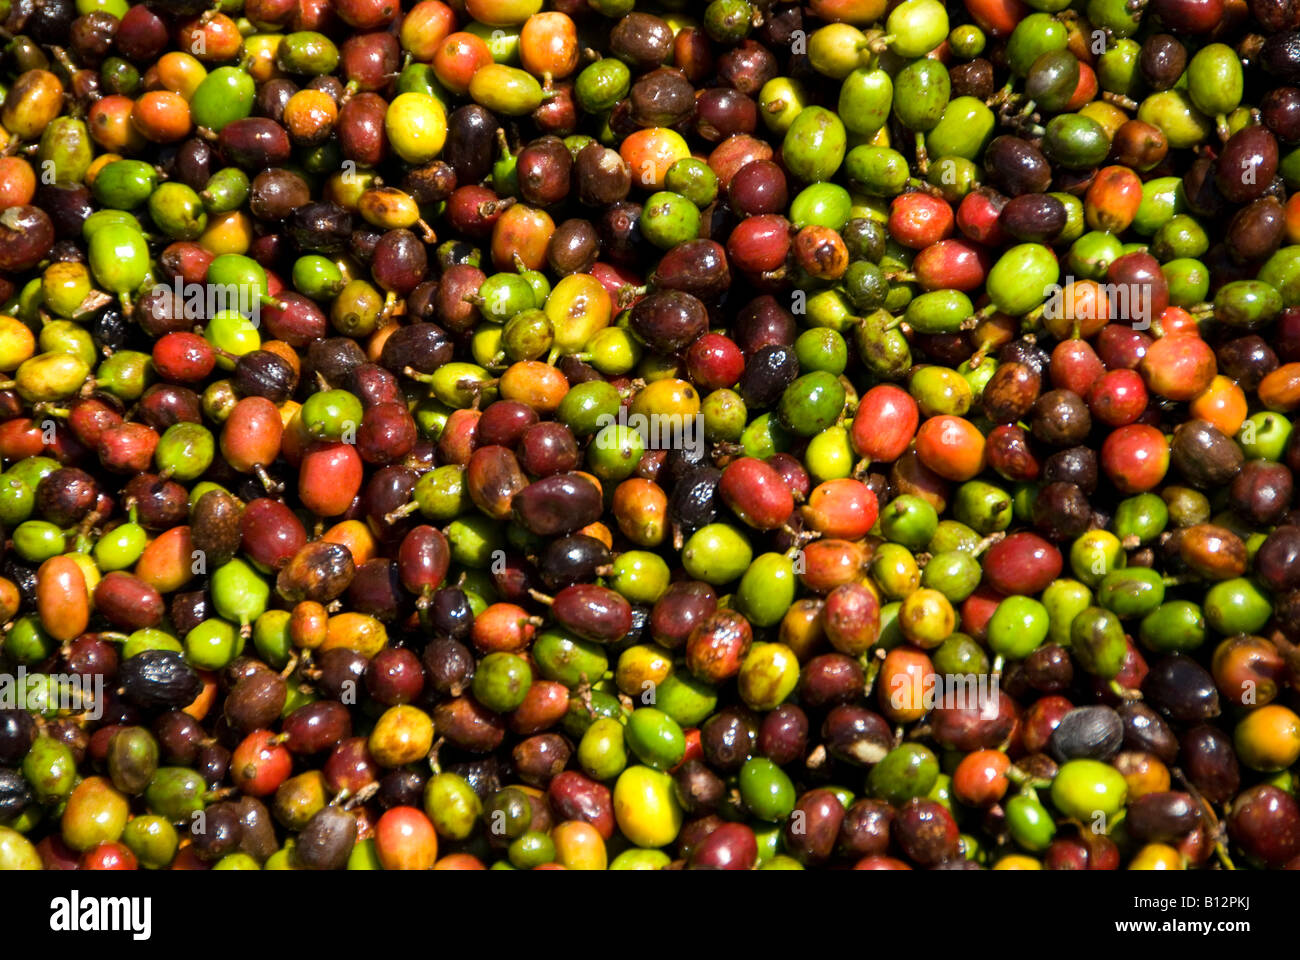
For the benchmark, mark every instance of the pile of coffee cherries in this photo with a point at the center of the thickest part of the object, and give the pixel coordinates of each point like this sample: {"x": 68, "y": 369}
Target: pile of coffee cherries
{"x": 599, "y": 434}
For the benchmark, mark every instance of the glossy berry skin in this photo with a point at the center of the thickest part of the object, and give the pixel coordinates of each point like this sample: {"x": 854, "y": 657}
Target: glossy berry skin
{"x": 951, "y": 446}
{"x": 1265, "y": 822}
{"x": 184, "y": 357}
{"x": 1023, "y": 563}
{"x": 1135, "y": 457}
{"x": 885, "y": 423}
{"x": 1117, "y": 398}
{"x": 1179, "y": 367}
{"x": 844, "y": 509}
{"x": 756, "y": 493}
{"x": 918, "y": 220}
{"x": 405, "y": 840}
{"x": 109, "y": 856}
{"x": 714, "y": 361}
{"x": 259, "y": 765}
